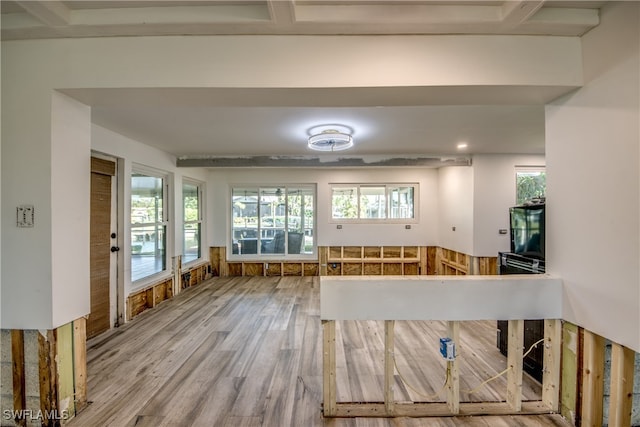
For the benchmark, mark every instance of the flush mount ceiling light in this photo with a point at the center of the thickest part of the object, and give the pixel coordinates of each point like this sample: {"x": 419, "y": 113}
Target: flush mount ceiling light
{"x": 330, "y": 140}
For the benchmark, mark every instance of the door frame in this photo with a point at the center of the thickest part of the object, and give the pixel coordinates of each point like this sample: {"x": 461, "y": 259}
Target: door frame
{"x": 116, "y": 281}
{"x": 119, "y": 212}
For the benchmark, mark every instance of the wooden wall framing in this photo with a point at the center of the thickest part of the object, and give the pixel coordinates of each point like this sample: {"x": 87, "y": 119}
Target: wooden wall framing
{"x": 59, "y": 356}
{"x": 222, "y": 267}
{"x": 272, "y": 268}
{"x": 451, "y": 263}
{"x": 149, "y": 297}
{"x": 512, "y": 404}
{"x": 359, "y": 260}
{"x": 372, "y": 260}
{"x": 154, "y": 294}
{"x": 592, "y": 379}
{"x": 194, "y": 275}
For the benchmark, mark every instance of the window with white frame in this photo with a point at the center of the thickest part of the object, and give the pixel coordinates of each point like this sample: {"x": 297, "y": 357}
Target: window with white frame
{"x": 148, "y": 223}
{"x": 531, "y": 183}
{"x": 373, "y": 202}
{"x": 192, "y": 225}
{"x": 273, "y": 220}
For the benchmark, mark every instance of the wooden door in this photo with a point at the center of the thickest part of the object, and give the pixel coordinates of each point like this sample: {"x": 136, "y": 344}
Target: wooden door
{"x": 100, "y": 252}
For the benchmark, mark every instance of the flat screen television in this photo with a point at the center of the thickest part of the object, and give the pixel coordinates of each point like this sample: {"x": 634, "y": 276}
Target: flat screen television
{"x": 527, "y": 230}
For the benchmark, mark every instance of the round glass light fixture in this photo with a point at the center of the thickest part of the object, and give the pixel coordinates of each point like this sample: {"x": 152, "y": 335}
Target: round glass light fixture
{"x": 330, "y": 140}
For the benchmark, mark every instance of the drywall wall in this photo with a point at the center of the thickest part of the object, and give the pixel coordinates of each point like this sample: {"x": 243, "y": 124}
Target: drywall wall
{"x": 511, "y": 297}
{"x": 422, "y": 232}
{"x": 26, "y": 176}
{"x": 70, "y": 187}
{"x": 592, "y": 152}
{"x": 494, "y": 192}
{"x": 455, "y": 210}
{"x": 33, "y": 69}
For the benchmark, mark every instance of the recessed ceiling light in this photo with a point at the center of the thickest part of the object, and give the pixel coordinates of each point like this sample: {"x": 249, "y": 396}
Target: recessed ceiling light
{"x": 462, "y": 146}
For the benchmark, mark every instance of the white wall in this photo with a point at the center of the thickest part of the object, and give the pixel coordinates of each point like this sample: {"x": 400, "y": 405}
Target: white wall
{"x": 70, "y": 202}
{"x": 592, "y": 148}
{"x": 135, "y": 153}
{"x": 494, "y": 192}
{"x": 26, "y": 174}
{"x": 455, "y": 195}
{"x": 423, "y": 232}
{"x": 33, "y": 69}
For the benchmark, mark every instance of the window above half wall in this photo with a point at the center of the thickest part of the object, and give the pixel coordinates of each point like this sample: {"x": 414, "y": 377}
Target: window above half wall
{"x": 274, "y": 221}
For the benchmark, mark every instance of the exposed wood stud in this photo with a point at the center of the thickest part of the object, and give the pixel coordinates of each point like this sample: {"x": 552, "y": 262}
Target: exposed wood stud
{"x": 435, "y": 409}
{"x": 19, "y": 387}
{"x": 80, "y": 362}
{"x": 551, "y": 363}
{"x": 389, "y": 369}
{"x": 329, "y": 367}
{"x": 177, "y": 270}
{"x": 432, "y": 266}
{"x": 474, "y": 265}
{"x": 514, "y": 363}
{"x": 621, "y": 399}
{"x": 224, "y": 267}
{"x": 453, "y": 372}
{"x": 423, "y": 264}
{"x": 592, "y": 379}
{"x": 48, "y": 375}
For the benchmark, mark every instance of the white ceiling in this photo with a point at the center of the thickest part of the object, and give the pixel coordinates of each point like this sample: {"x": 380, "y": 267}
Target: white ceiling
{"x": 243, "y": 122}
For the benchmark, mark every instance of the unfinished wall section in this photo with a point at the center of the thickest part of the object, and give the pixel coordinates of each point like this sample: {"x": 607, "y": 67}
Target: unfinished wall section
{"x": 635, "y": 399}
{"x": 448, "y": 262}
{"x": 6, "y": 373}
{"x": 164, "y": 289}
{"x": 43, "y": 375}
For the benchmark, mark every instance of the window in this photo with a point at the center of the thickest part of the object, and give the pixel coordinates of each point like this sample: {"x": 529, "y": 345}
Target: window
{"x": 275, "y": 220}
{"x": 191, "y": 231}
{"x": 531, "y": 183}
{"x": 148, "y": 225}
{"x": 373, "y": 202}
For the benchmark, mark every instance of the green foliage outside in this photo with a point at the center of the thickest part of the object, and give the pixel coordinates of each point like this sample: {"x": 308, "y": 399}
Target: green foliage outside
{"x": 530, "y": 185}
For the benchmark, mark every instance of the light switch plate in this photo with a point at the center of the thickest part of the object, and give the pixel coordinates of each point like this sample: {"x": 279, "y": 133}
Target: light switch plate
{"x": 25, "y": 216}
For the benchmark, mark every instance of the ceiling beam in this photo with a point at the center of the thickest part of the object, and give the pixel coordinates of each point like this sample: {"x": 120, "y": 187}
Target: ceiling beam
{"x": 51, "y": 13}
{"x": 282, "y": 12}
{"x": 384, "y": 13}
{"x": 515, "y": 13}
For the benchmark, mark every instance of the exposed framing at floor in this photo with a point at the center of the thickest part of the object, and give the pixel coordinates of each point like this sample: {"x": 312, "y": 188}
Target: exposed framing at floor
{"x": 512, "y": 405}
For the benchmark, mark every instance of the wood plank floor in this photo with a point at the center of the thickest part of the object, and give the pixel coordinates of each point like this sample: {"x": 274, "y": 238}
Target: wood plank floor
{"x": 246, "y": 351}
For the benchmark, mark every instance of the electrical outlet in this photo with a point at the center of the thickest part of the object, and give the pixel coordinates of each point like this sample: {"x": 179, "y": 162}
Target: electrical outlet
{"x": 447, "y": 349}
{"x": 25, "y": 216}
